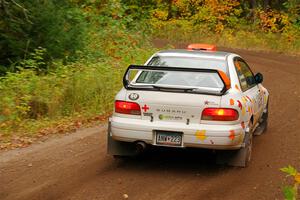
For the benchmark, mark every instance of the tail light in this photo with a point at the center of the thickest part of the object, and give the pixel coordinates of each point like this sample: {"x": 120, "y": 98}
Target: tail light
{"x": 129, "y": 108}
{"x": 220, "y": 114}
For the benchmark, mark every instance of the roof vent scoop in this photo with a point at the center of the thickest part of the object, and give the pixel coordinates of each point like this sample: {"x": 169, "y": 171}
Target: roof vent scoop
{"x": 202, "y": 47}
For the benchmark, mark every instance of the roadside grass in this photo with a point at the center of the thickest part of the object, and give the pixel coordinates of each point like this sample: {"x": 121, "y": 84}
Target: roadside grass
{"x": 69, "y": 96}
{"x": 241, "y": 37}
{"x": 290, "y": 191}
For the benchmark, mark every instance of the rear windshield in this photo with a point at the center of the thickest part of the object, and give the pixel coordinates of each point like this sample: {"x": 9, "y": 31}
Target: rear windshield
{"x": 181, "y": 78}
{"x": 189, "y": 62}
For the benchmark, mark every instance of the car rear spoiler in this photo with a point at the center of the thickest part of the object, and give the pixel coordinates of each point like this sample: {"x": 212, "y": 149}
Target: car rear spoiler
{"x": 222, "y": 75}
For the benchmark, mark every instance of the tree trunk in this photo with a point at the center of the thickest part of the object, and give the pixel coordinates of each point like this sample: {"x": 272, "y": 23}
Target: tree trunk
{"x": 253, "y": 6}
{"x": 266, "y": 4}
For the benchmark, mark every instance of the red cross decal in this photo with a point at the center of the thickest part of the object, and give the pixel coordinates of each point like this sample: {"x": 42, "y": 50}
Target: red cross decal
{"x": 145, "y": 108}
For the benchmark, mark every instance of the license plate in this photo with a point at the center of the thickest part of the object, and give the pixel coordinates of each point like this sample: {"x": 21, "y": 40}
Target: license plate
{"x": 168, "y": 138}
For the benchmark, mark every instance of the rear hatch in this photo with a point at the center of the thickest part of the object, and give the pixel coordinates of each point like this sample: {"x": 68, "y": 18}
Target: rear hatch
{"x": 174, "y": 94}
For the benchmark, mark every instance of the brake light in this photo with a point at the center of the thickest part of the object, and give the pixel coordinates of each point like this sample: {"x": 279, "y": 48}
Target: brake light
{"x": 126, "y": 107}
{"x": 220, "y": 114}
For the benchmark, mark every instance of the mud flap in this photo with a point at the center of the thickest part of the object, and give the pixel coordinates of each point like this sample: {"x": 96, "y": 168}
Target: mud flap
{"x": 263, "y": 126}
{"x": 118, "y": 148}
{"x": 236, "y": 158}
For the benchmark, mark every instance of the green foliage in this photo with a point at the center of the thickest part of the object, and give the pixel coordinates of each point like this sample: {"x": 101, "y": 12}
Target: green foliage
{"x": 57, "y": 26}
{"x": 38, "y": 91}
{"x": 289, "y": 170}
{"x": 291, "y": 192}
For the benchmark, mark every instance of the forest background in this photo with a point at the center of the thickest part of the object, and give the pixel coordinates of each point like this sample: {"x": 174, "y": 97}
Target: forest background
{"x": 61, "y": 61}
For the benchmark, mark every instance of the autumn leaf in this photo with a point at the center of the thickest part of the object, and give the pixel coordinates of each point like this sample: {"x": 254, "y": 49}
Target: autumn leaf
{"x": 291, "y": 171}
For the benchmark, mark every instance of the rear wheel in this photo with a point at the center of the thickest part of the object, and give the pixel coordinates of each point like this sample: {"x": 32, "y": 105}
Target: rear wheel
{"x": 263, "y": 126}
{"x": 241, "y": 157}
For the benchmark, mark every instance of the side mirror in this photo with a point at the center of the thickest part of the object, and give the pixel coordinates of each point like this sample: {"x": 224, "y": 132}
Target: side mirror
{"x": 258, "y": 78}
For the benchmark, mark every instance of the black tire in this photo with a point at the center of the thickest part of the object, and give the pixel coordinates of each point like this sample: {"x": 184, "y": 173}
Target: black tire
{"x": 248, "y": 148}
{"x": 263, "y": 126}
{"x": 241, "y": 157}
{"x": 265, "y": 117}
{"x": 119, "y": 157}
{"x": 245, "y": 153}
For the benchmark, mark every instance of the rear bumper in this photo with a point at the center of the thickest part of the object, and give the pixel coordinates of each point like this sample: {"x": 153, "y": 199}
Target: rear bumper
{"x": 194, "y": 135}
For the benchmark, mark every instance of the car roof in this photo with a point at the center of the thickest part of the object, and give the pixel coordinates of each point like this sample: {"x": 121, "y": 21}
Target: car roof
{"x": 217, "y": 55}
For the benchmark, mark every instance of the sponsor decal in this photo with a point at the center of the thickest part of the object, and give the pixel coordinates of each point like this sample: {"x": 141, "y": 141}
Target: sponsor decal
{"x": 148, "y": 114}
{"x": 168, "y": 117}
{"x": 166, "y": 110}
{"x": 133, "y": 96}
{"x": 210, "y": 103}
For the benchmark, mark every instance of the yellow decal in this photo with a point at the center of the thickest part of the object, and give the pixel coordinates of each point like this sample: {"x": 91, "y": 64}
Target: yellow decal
{"x": 201, "y": 135}
{"x": 265, "y": 99}
{"x": 243, "y": 111}
{"x": 244, "y": 100}
{"x": 249, "y": 109}
{"x": 241, "y": 138}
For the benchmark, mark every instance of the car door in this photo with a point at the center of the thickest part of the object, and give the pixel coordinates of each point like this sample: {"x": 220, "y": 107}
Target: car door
{"x": 249, "y": 87}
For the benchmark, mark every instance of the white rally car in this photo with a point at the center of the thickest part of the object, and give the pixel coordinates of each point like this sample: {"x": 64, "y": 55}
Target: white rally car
{"x": 197, "y": 97}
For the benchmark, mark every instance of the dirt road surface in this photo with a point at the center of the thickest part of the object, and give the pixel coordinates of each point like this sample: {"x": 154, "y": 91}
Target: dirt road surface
{"x": 76, "y": 166}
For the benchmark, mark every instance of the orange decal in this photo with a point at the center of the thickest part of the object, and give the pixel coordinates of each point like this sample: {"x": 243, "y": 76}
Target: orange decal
{"x": 237, "y": 87}
{"x": 249, "y": 109}
{"x": 231, "y": 102}
{"x": 231, "y": 135}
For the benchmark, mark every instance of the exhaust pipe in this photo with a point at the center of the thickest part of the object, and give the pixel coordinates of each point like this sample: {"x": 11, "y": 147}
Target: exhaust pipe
{"x": 140, "y": 147}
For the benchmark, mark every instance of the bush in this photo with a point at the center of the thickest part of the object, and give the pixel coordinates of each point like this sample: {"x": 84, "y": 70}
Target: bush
{"x": 55, "y": 25}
